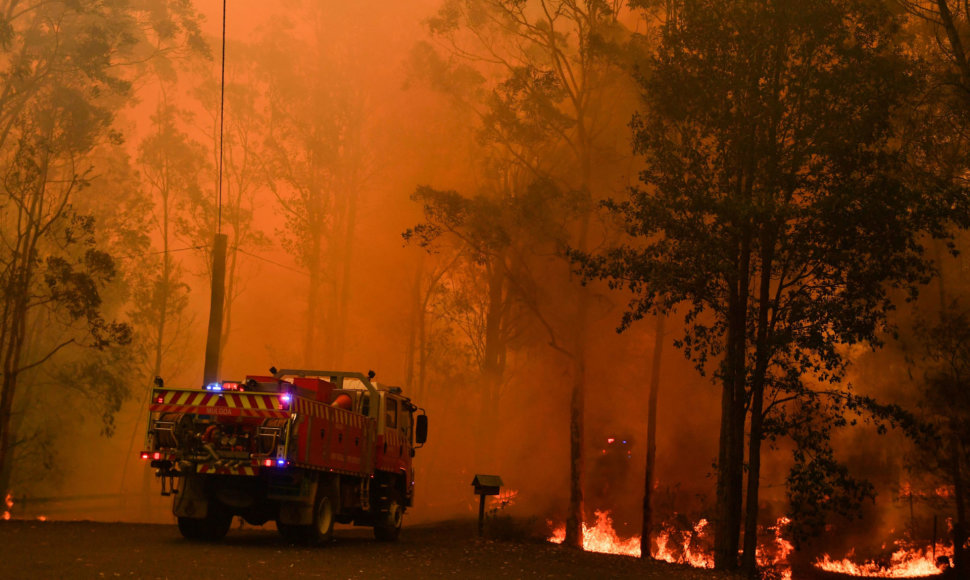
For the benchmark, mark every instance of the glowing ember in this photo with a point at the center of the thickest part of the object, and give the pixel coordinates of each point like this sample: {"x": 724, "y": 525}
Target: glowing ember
{"x": 906, "y": 492}
{"x": 904, "y": 563}
{"x": 8, "y": 503}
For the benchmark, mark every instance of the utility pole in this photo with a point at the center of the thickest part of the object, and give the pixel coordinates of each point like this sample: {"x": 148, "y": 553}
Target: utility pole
{"x": 214, "y": 336}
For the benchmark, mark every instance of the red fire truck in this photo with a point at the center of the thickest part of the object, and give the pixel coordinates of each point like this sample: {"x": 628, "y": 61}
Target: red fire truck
{"x": 304, "y": 448}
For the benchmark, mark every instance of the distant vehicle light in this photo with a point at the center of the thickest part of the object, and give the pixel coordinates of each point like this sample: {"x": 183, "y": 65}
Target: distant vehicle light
{"x": 285, "y": 398}
{"x": 144, "y": 455}
{"x": 610, "y": 440}
{"x": 160, "y": 399}
{"x": 268, "y": 463}
{"x": 157, "y": 455}
{"x": 213, "y": 387}
{"x": 231, "y": 387}
{"x": 281, "y": 462}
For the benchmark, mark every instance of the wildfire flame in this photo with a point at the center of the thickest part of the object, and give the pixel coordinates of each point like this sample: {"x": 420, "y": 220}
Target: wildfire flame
{"x": 503, "y": 500}
{"x": 779, "y": 550}
{"x": 677, "y": 550}
{"x": 8, "y": 503}
{"x": 601, "y": 537}
{"x": 682, "y": 550}
{"x": 675, "y": 547}
{"x": 904, "y": 563}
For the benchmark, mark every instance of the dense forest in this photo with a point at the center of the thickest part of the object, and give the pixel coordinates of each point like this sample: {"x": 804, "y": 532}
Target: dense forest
{"x": 726, "y": 234}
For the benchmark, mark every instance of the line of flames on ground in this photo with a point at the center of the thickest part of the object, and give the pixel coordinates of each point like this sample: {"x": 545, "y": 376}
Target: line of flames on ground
{"x": 906, "y": 562}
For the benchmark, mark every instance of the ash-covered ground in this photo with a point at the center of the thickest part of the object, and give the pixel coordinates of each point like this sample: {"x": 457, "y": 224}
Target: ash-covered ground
{"x": 38, "y": 550}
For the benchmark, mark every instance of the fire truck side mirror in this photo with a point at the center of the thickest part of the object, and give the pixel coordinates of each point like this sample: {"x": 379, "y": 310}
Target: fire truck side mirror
{"x": 421, "y": 429}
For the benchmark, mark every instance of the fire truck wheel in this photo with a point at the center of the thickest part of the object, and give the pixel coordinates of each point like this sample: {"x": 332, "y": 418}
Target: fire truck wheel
{"x": 190, "y": 528}
{"x": 210, "y": 528}
{"x": 323, "y": 518}
{"x": 390, "y": 528}
{"x": 320, "y": 531}
{"x": 292, "y": 534}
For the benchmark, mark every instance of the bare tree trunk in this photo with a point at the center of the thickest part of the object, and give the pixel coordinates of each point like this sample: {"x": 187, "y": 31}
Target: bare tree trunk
{"x": 749, "y": 557}
{"x": 730, "y": 469}
{"x": 310, "y": 347}
{"x": 343, "y": 290}
{"x": 11, "y": 370}
{"x": 961, "y": 529}
{"x": 417, "y": 314}
{"x": 575, "y": 516}
{"x": 493, "y": 363}
{"x": 646, "y": 535}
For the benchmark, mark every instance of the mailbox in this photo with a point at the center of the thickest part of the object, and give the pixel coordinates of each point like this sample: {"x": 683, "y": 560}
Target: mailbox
{"x": 487, "y": 484}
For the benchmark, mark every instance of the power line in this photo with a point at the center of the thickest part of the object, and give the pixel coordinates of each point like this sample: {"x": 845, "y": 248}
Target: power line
{"x": 158, "y": 252}
{"x": 236, "y": 248}
{"x": 284, "y": 266}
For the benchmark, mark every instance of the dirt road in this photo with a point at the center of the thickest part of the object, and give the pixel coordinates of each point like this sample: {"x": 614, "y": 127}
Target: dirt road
{"x": 37, "y": 550}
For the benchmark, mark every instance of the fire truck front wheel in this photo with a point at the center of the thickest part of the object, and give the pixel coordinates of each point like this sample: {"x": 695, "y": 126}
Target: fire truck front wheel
{"x": 389, "y": 528}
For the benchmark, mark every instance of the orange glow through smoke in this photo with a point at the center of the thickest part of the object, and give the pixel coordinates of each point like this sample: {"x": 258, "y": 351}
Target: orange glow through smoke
{"x": 8, "y": 504}
{"x": 904, "y": 563}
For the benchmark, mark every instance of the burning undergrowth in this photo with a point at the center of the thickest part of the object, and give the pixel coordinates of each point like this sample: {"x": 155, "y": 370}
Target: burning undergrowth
{"x": 905, "y": 561}
{"x": 680, "y": 541}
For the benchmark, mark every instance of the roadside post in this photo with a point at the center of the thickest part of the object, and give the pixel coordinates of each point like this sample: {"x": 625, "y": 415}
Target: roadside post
{"x": 485, "y": 485}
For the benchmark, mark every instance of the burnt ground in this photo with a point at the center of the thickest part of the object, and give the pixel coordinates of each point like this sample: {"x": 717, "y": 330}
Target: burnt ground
{"x": 38, "y": 550}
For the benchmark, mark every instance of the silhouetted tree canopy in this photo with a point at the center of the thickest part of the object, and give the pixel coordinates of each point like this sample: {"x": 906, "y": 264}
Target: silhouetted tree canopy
{"x": 777, "y": 208}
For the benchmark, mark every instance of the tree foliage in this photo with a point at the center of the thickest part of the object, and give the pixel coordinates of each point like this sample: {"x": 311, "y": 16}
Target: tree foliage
{"x": 66, "y": 70}
{"x": 778, "y": 207}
